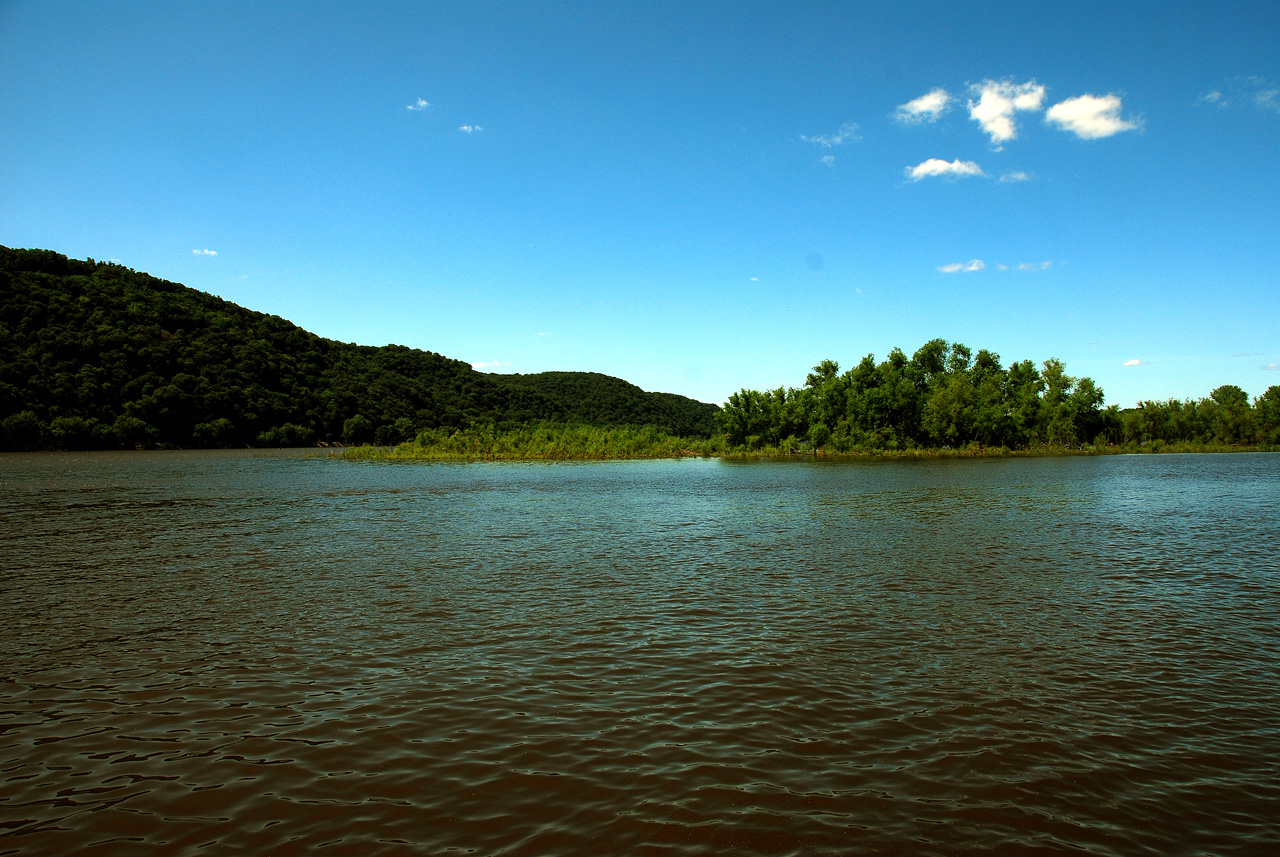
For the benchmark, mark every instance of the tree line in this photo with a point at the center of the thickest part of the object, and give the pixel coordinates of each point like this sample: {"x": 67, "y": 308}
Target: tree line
{"x": 95, "y": 355}
{"x": 1226, "y": 416}
{"x": 946, "y": 396}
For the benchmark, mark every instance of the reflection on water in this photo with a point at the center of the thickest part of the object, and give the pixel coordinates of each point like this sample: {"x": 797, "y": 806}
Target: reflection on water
{"x": 214, "y": 652}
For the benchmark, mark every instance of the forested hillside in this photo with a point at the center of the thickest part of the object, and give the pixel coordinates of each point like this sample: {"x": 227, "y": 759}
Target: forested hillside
{"x": 96, "y": 355}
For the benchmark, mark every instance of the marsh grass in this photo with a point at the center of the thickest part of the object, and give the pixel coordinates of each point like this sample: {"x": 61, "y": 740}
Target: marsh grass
{"x": 542, "y": 441}
{"x": 568, "y": 442}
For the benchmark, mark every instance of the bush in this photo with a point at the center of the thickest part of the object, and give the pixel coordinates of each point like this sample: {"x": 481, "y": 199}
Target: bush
{"x": 357, "y": 430}
{"x": 21, "y": 431}
{"x": 288, "y": 434}
{"x": 220, "y": 434}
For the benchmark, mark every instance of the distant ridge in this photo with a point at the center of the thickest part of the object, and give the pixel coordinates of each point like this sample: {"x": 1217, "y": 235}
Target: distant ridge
{"x": 95, "y": 355}
{"x": 589, "y": 397}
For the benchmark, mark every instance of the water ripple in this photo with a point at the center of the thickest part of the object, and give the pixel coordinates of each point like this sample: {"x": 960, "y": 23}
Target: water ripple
{"x": 275, "y": 654}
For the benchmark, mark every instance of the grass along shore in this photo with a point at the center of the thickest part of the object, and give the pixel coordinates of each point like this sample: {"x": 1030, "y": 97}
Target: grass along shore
{"x": 541, "y": 442}
{"x": 560, "y": 442}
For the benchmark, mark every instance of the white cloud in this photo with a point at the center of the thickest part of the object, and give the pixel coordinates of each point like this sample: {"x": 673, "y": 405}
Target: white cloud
{"x": 1272, "y": 367}
{"x": 420, "y": 104}
{"x": 1090, "y": 117}
{"x": 1214, "y": 98}
{"x": 1268, "y": 99}
{"x": 205, "y": 252}
{"x": 947, "y": 169}
{"x": 1002, "y": 267}
{"x": 997, "y": 102}
{"x": 1034, "y": 266}
{"x": 1015, "y": 176}
{"x": 848, "y": 131}
{"x": 1134, "y": 362}
{"x": 487, "y": 364}
{"x": 971, "y": 265}
{"x": 754, "y": 279}
{"x": 926, "y": 108}
{"x": 469, "y": 129}
{"x": 828, "y": 159}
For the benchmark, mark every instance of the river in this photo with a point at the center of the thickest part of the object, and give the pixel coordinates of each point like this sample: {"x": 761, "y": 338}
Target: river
{"x": 251, "y": 652}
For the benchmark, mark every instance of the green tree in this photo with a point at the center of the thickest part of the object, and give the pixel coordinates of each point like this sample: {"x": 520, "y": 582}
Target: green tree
{"x": 1025, "y": 386}
{"x": 357, "y": 430}
{"x": 949, "y": 415}
{"x": 287, "y": 435}
{"x": 21, "y": 431}
{"x": 1232, "y": 418}
{"x": 1057, "y": 414}
{"x": 1085, "y": 404}
{"x": 1267, "y": 415}
{"x": 993, "y": 422}
{"x": 221, "y": 434}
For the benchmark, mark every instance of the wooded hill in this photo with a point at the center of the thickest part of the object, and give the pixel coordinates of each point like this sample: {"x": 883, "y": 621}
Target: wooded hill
{"x": 95, "y": 355}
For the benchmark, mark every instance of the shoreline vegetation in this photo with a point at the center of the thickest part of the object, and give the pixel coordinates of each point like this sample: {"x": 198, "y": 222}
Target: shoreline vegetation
{"x": 942, "y": 402}
{"x": 94, "y": 355}
{"x": 588, "y": 443}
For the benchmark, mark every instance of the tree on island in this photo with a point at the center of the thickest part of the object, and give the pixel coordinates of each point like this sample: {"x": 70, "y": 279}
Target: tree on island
{"x": 945, "y": 396}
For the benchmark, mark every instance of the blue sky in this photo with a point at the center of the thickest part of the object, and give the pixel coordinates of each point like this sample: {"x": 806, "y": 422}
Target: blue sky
{"x": 694, "y": 197}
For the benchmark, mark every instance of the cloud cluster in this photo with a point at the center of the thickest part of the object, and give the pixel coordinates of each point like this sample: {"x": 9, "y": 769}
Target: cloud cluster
{"x": 847, "y": 131}
{"x": 470, "y": 129}
{"x": 927, "y": 108}
{"x": 995, "y": 105}
{"x": 956, "y": 267}
{"x": 998, "y": 101}
{"x": 1252, "y": 91}
{"x": 946, "y": 169}
{"x": 205, "y": 252}
{"x": 978, "y": 265}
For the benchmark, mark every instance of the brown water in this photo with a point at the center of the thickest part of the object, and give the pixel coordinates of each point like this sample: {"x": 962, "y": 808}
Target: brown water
{"x": 208, "y": 653}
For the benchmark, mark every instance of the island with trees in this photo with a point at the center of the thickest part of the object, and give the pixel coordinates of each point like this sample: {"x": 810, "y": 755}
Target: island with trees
{"x": 946, "y": 397}
{"x": 94, "y": 355}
